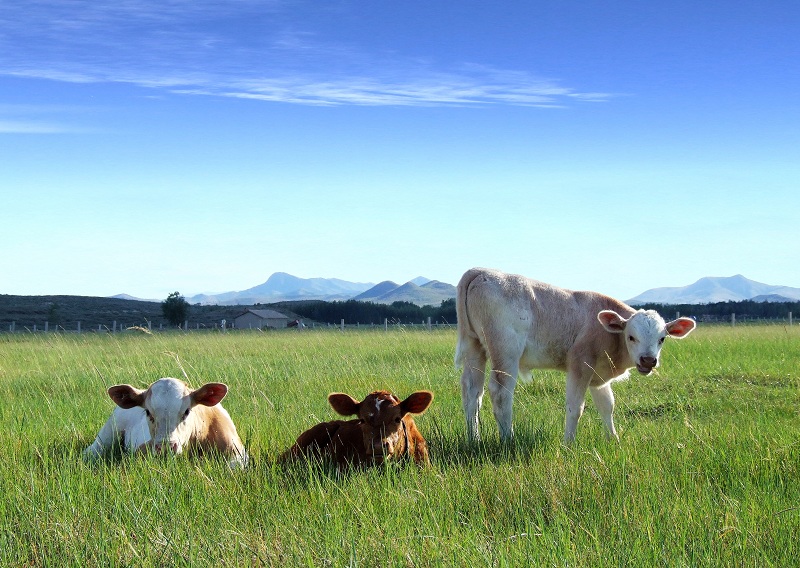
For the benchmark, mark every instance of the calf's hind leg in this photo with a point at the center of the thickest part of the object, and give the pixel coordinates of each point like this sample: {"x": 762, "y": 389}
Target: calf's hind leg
{"x": 502, "y": 382}
{"x": 472, "y": 380}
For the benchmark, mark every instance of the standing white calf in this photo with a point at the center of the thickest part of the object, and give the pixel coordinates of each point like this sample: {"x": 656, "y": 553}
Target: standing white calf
{"x": 522, "y": 324}
{"x": 169, "y": 416}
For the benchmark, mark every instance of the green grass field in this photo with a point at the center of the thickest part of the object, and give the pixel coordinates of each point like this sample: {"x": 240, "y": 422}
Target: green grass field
{"x": 707, "y": 471}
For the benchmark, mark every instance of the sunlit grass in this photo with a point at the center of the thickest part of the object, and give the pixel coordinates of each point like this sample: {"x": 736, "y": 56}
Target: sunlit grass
{"x": 707, "y": 471}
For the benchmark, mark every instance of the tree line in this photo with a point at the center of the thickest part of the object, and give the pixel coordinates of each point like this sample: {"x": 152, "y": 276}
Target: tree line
{"x": 354, "y": 311}
{"x": 721, "y": 311}
{"x": 176, "y": 309}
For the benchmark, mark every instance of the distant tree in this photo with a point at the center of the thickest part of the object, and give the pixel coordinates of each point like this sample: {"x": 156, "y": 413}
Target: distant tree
{"x": 175, "y": 308}
{"x": 447, "y": 311}
{"x": 54, "y": 313}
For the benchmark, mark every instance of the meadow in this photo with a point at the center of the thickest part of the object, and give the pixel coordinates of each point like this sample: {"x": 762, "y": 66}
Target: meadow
{"x": 707, "y": 471}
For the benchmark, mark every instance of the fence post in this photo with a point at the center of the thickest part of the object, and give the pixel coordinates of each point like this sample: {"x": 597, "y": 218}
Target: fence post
{"x": 733, "y": 319}
{"x": 790, "y": 319}
{"x": 79, "y": 327}
{"x": 385, "y": 324}
{"x": 46, "y": 326}
{"x": 114, "y": 327}
{"x": 186, "y": 325}
{"x": 429, "y": 323}
{"x": 342, "y": 324}
{"x": 677, "y": 315}
{"x": 13, "y": 326}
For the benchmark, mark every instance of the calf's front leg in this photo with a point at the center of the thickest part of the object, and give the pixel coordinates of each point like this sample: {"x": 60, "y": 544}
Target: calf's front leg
{"x": 576, "y": 400}
{"x": 603, "y": 399}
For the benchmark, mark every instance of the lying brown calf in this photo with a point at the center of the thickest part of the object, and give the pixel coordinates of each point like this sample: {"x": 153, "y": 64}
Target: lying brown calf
{"x": 383, "y": 431}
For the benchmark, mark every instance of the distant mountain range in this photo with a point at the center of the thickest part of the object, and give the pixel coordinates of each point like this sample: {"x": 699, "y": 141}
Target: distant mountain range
{"x": 723, "y": 289}
{"x": 281, "y": 287}
{"x": 429, "y": 293}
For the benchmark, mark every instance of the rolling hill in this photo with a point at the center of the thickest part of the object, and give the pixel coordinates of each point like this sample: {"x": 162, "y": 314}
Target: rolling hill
{"x": 718, "y": 289}
{"x": 284, "y": 287}
{"x": 430, "y": 293}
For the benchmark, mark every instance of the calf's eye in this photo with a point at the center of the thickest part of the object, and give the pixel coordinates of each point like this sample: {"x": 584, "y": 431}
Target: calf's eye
{"x": 632, "y": 339}
{"x": 186, "y": 414}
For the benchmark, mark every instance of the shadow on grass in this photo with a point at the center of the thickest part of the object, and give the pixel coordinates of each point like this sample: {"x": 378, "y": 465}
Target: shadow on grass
{"x": 662, "y": 410}
{"x": 528, "y": 442}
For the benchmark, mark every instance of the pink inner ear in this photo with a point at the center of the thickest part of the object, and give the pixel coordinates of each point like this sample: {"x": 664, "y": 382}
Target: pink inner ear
{"x": 210, "y": 394}
{"x": 680, "y": 327}
{"x": 418, "y": 402}
{"x": 611, "y": 321}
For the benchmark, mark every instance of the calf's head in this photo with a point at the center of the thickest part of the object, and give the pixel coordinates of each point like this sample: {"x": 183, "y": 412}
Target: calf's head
{"x": 644, "y": 334}
{"x": 168, "y": 404}
{"x": 380, "y": 417}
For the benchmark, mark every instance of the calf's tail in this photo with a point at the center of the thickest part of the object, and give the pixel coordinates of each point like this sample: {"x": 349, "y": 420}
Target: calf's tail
{"x": 464, "y": 329}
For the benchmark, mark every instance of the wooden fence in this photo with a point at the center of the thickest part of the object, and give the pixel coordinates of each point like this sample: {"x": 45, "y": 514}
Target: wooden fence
{"x": 223, "y": 326}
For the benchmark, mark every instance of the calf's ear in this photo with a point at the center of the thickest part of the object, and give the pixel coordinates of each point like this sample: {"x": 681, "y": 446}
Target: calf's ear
{"x": 126, "y": 396}
{"x": 342, "y": 403}
{"x": 612, "y": 321}
{"x": 680, "y": 327}
{"x": 209, "y": 394}
{"x": 417, "y": 403}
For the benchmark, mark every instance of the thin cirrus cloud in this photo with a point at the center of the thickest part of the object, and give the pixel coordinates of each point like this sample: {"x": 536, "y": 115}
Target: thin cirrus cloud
{"x": 30, "y": 127}
{"x": 39, "y": 119}
{"x": 172, "y": 47}
{"x": 425, "y": 89}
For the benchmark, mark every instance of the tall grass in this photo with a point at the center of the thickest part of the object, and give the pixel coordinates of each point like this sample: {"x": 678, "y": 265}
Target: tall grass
{"x": 707, "y": 471}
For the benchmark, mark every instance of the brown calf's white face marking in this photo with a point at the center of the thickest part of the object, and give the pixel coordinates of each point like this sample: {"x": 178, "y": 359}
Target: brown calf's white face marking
{"x": 380, "y": 417}
{"x": 381, "y": 424}
{"x": 645, "y": 332}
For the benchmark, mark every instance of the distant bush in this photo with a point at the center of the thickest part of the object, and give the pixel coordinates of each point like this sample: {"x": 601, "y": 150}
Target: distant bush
{"x": 354, "y": 311}
{"x": 175, "y": 309}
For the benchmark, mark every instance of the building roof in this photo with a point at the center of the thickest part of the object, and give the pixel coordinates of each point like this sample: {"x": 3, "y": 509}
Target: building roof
{"x": 265, "y": 314}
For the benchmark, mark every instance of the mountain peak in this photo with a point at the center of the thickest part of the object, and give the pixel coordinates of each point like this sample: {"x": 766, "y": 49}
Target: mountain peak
{"x": 712, "y": 289}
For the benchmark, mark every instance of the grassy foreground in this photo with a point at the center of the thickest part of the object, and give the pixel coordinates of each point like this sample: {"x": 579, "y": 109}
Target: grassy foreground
{"x": 707, "y": 471}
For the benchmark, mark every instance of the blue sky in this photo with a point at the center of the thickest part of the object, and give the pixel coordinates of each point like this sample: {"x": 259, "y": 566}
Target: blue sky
{"x": 200, "y": 146}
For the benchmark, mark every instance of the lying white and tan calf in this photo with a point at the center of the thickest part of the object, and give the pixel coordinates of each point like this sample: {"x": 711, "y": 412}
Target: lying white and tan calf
{"x": 170, "y": 417}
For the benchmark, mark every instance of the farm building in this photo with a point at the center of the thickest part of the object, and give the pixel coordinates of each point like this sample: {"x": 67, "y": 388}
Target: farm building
{"x": 259, "y": 319}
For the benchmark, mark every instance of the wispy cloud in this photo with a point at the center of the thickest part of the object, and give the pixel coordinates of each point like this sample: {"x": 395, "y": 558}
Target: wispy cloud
{"x": 199, "y": 47}
{"x": 40, "y": 119}
{"x": 25, "y": 127}
{"x": 425, "y": 89}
